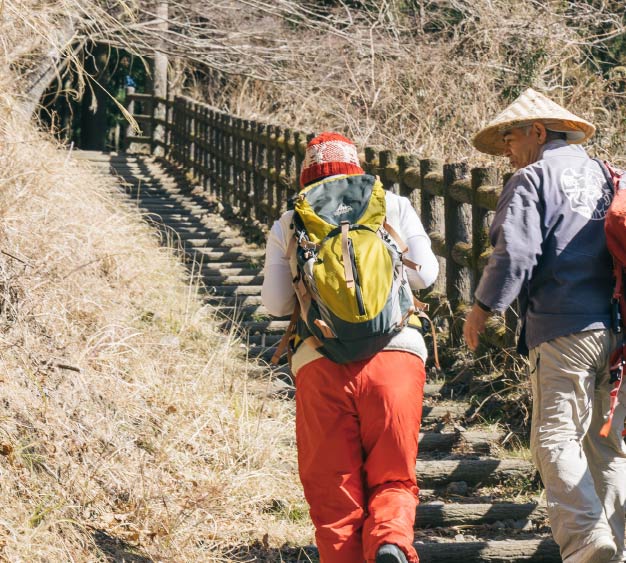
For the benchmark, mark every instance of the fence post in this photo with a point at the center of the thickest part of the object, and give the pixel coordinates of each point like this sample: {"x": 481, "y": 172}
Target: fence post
{"x": 205, "y": 148}
{"x": 387, "y": 170}
{"x": 257, "y": 129}
{"x": 481, "y": 219}
{"x": 409, "y": 178}
{"x": 130, "y": 108}
{"x": 370, "y": 166}
{"x": 187, "y": 138}
{"x": 249, "y": 163}
{"x": 197, "y": 144}
{"x": 280, "y": 152}
{"x": 457, "y": 230}
{"x": 299, "y": 143}
{"x": 238, "y": 171}
{"x": 217, "y": 162}
{"x": 176, "y": 119}
{"x": 433, "y": 215}
{"x": 291, "y": 185}
{"x": 270, "y": 159}
{"x": 227, "y": 192}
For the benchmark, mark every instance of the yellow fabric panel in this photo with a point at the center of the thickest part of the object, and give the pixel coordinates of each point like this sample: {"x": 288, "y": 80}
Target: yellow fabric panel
{"x": 317, "y": 228}
{"x": 374, "y": 215}
{"x": 374, "y": 272}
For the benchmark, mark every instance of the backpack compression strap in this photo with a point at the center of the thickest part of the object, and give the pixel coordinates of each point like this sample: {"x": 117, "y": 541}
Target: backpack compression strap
{"x": 284, "y": 341}
{"x": 402, "y": 246}
{"x": 345, "y": 254}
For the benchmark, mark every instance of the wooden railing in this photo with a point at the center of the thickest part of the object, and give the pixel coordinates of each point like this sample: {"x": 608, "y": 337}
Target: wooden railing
{"x": 254, "y": 167}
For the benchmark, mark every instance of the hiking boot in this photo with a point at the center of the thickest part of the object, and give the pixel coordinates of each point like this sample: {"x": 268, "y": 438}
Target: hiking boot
{"x": 390, "y": 553}
{"x": 601, "y": 550}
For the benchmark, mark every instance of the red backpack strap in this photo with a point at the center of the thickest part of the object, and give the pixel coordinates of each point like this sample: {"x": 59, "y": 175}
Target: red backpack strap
{"x": 616, "y": 368}
{"x": 616, "y": 174}
{"x": 612, "y": 174}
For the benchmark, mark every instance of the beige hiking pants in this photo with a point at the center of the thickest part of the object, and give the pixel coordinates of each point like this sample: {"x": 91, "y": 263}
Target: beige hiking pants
{"x": 584, "y": 475}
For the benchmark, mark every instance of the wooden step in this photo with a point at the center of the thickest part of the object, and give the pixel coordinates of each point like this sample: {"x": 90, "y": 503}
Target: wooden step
{"x": 234, "y": 290}
{"x": 170, "y": 210}
{"x": 255, "y": 280}
{"x": 542, "y": 550}
{"x": 475, "y": 441}
{"x": 536, "y": 549}
{"x": 228, "y": 269}
{"x": 489, "y": 471}
{"x": 441, "y": 514}
{"x": 215, "y": 240}
{"x": 210, "y": 255}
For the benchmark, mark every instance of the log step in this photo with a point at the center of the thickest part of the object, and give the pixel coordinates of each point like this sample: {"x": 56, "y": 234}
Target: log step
{"x": 543, "y": 550}
{"x": 538, "y": 549}
{"x": 438, "y": 473}
{"x": 215, "y": 240}
{"x": 228, "y": 290}
{"x": 227, "y": 269}
{"x": 475, "y": 441}
{"x": 253, "y": 280}
{"x": 454, "y": 514}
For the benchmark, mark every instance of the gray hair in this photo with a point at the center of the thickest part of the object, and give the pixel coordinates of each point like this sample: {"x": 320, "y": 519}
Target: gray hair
{"x": 551, "y": 135}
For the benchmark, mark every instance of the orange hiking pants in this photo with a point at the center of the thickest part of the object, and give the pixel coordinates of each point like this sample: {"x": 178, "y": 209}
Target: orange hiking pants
{"x": 357, "y": 428}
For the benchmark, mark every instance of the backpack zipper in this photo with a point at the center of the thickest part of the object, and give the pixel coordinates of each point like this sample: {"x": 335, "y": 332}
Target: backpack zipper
{"x": 357, "y": 282}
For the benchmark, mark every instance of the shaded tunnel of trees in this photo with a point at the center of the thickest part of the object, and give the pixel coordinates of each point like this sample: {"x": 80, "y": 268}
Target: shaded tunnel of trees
{"x": 81, "y": 106}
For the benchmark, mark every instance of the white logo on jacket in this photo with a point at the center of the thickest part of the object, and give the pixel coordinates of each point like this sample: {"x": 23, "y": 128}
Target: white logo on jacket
{"x": 587, "y": 192}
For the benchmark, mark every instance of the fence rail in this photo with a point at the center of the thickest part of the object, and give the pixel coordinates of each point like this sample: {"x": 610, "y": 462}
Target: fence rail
{"x": 254, "y": 167}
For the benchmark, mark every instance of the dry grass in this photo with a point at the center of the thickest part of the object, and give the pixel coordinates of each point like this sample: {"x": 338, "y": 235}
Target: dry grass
{"x": 422, "y": 77}
{"x": 125, "y": 414}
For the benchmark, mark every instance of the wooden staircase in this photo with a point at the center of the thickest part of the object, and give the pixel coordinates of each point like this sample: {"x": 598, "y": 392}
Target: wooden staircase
{"x": 468, "y": 510}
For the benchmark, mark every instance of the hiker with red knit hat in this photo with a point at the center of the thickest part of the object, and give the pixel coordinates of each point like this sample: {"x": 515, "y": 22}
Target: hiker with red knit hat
{"x": 357, "y": 361}
{"x": 550, "y": 250}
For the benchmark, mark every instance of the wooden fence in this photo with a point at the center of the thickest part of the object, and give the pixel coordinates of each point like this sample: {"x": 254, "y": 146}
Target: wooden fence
{"x": 254, "y": 166}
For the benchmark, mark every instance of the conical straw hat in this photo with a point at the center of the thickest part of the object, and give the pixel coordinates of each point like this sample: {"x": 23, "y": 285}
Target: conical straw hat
{"x": 529, "y": 107}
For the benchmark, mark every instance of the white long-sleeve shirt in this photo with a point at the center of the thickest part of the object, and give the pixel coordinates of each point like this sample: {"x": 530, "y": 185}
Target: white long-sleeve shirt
{"x": 278, "y": 294}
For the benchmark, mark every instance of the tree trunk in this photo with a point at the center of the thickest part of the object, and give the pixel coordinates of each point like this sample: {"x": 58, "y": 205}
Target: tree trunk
{"x": 94, "y": 109}
{"x": 49, "y": 68}
{"x": 160, "y": 77}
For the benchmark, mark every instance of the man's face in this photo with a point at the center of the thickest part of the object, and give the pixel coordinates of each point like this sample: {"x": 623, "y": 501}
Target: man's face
{"x": 522, "y": 145}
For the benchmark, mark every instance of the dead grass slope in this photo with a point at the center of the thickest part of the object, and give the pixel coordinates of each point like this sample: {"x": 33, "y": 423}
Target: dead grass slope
{"x": 127, "y": 421}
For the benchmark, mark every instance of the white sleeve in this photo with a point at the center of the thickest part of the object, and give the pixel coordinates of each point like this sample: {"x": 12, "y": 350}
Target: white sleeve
{"x": 420, "y": 250}
{"x": 277, "y": 293}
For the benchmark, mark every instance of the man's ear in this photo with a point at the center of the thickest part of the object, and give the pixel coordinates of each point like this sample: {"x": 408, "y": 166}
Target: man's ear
{"x": 539, "y": 129}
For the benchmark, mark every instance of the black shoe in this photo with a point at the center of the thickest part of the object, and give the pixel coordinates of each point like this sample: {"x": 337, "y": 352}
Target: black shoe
{"x": 390, "y": 553}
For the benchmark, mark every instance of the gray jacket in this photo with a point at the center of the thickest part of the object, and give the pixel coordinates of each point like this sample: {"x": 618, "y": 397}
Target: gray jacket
{"x": 550, "y": 247}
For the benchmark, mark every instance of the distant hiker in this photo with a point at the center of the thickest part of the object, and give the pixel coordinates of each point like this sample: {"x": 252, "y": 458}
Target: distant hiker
{"x": 357, "y": 422}
{"x": 550, "y": 250}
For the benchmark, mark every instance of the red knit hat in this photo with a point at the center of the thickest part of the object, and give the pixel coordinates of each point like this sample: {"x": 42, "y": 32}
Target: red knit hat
{"x": 329, "y": 154}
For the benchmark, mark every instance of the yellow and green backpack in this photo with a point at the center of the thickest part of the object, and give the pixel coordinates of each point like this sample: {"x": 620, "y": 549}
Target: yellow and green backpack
{"x": 351, "y": 283}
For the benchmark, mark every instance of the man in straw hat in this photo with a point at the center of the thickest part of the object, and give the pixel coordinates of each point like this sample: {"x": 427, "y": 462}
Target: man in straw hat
{"x": 357, "y": 423}
{"x": 550, "y": 251}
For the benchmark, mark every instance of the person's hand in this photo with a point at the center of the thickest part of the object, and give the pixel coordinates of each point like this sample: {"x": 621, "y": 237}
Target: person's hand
{"x": 474, "y": 326}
